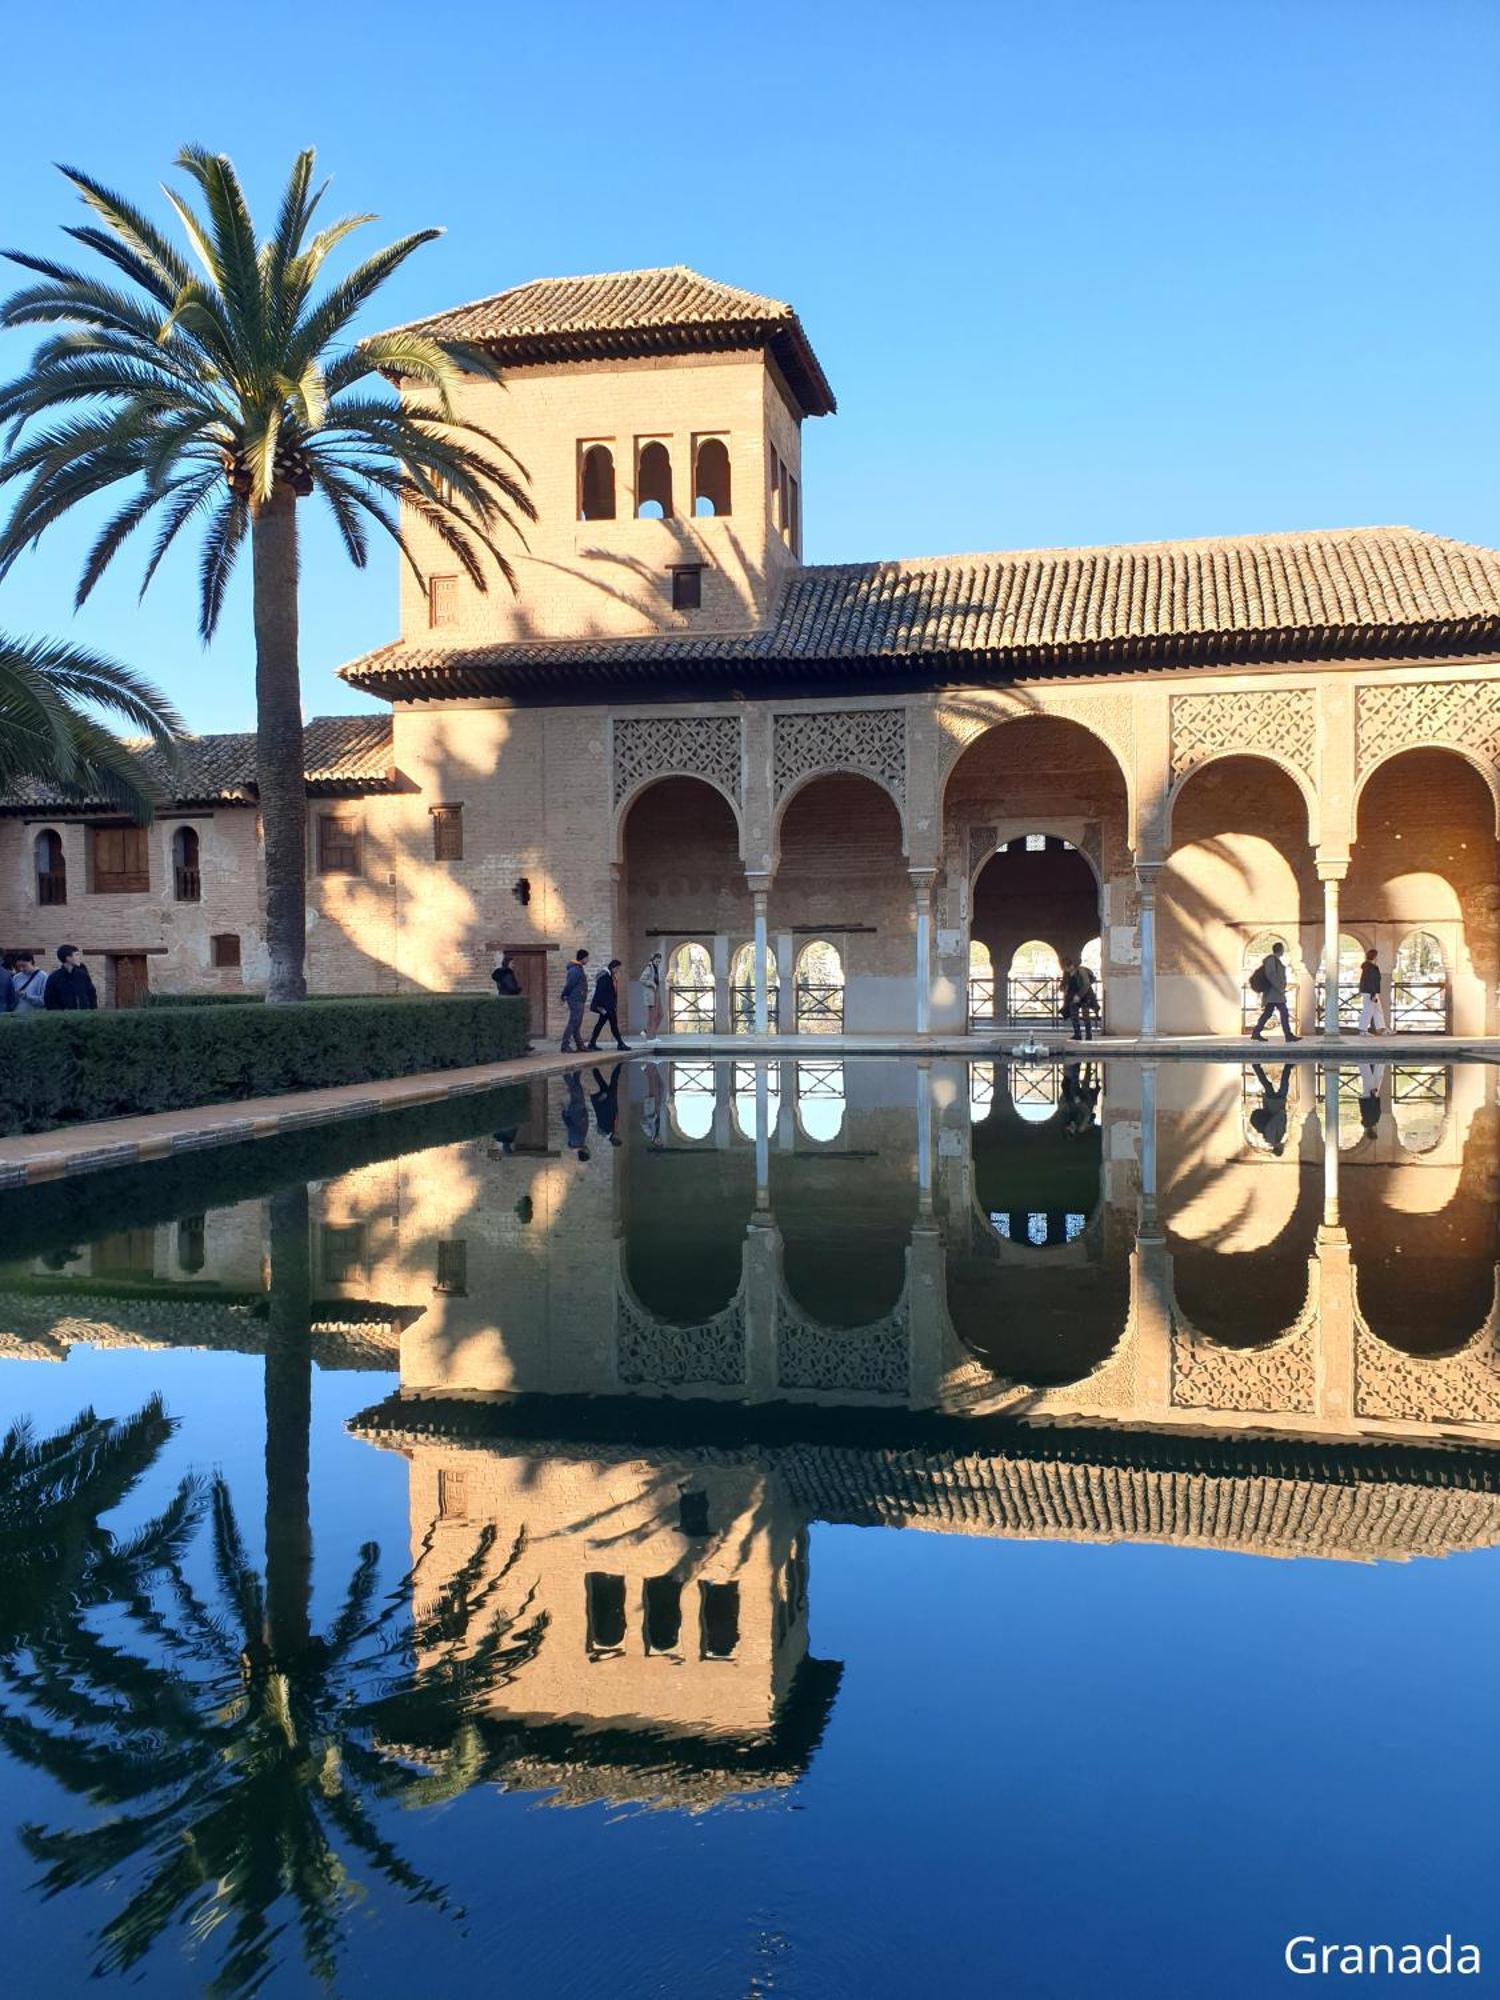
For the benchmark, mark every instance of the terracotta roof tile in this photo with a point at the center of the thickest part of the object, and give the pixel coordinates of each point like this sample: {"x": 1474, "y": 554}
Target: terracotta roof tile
{"x": 619, "y": 313}
{"x": 344, "y": 753}
{"x": 1343, "y": 593}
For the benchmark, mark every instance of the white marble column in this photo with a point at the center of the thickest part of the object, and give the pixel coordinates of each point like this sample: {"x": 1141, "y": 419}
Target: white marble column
{"x": 924, "y": 1138}
{"x": 760, "y": 887}
{"x": 1331, "y": 879}
{"x": 1330, "y": 1146}
{"x": 1146, "y": 873}
{"x": 922, "y": 880}
{"x": 762, "y": 1136}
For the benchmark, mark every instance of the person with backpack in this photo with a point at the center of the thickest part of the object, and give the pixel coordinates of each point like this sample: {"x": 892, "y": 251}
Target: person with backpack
{"x": 575, "y": 994}
{"x": 1269, "y": 981}
{"x": 1371, "y": 1008}
{"x": 606, "y": 1005}
{"x": 30, "y": 984}
{"x": 1080, "y": 1000}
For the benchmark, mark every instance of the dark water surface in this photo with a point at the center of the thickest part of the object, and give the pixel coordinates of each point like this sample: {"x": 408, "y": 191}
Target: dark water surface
{"x": 822, "y": 1529}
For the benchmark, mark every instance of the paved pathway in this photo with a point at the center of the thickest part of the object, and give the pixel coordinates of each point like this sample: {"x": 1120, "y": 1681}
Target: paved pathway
{"x": 119, "y": 1142}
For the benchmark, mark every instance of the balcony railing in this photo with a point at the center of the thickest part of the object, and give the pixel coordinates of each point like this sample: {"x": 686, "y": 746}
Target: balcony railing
{"x": 1023, "y": 1003}
{"x": 52, "y": 887}
{"x": 742, "y": 1008}
{"x": 189, "y": 885}
{"x": 690, "y": 1009}
{"x": 820, "y": 1007}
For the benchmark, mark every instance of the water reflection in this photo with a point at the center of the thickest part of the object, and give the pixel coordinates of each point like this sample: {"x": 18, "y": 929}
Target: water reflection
{"x": 653, "y": 1325}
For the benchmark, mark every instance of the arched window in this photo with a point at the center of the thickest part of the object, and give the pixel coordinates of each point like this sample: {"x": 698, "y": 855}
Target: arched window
{"x": 820, "y": 1100}
{"x": 744, "y": 1098}
{"x": 1092, "y": 956}
{"x": 186, "y": 880}
{"x": 690, "y": 990}
{"x": 981, "y": 982}
{"x": 596, "y": 484}
{"x": 1419, "y": 985}
{"x": 1034, "y": 983}
{"x": 653, "y": 482}
{"x": 742, "y": 988}
{"x": 1419, "y": 1105}
{"x": 51, "y": 868}
{"x": 711, "y": 477}
{"x": 981, "y": 1091}
{"x": 691, "y": 1100}
{"x": 820, "y": 990}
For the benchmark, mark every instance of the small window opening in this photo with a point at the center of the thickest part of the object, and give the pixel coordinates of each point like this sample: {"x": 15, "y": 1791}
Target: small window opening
{"x": 191, "y": 1251}
{"x": 692, "y": 1514}
{"x": 447, "y": 833}
{"x": 187, "y": 883}
{"x": 687, "y": 589}
{"x": 596, "y": 483}
{"x": 338, "y": 845}
{"x": 224, "y": 947}
{"x": 653, "y": 482}
{"x": 794, "y": 514}
{"x": 604, "y": 1603}
{"x": 442, "y": 600}
{"x": 121, "y": 860}
{"x": 453, "y": 1493}
{"x": 718, "y": 1620}
{"x": 661, "y": 1598}
{"x": 453, "y": 1267}
{"x": 342, "y": 1253}
{"x": 51, "y": 869}
{"x": 711, "y": 487}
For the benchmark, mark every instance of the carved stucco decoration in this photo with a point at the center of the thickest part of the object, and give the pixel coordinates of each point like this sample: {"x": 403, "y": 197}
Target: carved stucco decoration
{"x": 1108, "y": 715}
{"x": 1278, "y": 722}
{"x": 650, "y": 1352}
{"x": 874, "y": 1360}
{"x": 1465, "y": 714}
{"x": 870, "y": 740}
{"x": 1448, "y": 1389}
{"x": 673, "y": 746}
{"x": 1275, "y": 1379}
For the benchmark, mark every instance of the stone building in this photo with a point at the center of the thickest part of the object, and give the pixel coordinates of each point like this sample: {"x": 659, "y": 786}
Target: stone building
{"x": 888, "y": 796}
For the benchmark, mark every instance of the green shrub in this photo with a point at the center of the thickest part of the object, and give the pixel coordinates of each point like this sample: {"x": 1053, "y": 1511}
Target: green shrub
{"x": 58, "y": 1069}
{"x": 201, "y": 999}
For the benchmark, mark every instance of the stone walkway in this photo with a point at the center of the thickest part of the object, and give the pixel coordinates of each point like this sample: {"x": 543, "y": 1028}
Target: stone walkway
{"x": 121, "y": 1142}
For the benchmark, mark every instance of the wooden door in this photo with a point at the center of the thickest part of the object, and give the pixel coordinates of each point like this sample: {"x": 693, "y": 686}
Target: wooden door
{"x": 128, "y": 982}
{"x": 531, "y": 970}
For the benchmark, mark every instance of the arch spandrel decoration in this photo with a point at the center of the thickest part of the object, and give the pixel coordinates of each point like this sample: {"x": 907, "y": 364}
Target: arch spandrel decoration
{"x": 1268, "y": 722}
{"x": 1430, "y": 715}
{"x": 870, "y": 741}
{"x": 1462, "y": 1388}
{"x": 676, "y": 746}
{"x": 1278, "y": 1379}
{"x": 651, "y": 1353}
{"x": 868, "y": 1360}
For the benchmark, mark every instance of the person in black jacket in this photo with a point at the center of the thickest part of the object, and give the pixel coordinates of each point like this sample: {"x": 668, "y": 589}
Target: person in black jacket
{"x": 507, "y": 979}
{"x": 605, "y": 1005}
{"x": 71, "y": 986}
{"x": 1371, "y": 1009}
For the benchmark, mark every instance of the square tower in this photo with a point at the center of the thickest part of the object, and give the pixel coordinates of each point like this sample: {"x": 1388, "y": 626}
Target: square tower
{"x": 658, "y": 416}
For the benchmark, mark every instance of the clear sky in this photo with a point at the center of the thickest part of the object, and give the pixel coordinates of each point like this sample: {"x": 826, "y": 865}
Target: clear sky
{"x": 1078, "y": 274}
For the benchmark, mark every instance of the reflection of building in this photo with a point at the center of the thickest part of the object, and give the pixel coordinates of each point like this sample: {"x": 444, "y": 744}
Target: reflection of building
{"x": 855, "y": 772}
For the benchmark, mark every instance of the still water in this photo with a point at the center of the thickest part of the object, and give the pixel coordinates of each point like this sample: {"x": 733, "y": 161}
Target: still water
{"x": 835, "y": 1528}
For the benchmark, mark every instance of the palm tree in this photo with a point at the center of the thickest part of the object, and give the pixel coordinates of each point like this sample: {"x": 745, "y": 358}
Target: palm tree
{"x": 47, "y": 734}
{"x": 55, "y": 1558}
{"x": 236, "y": 1758}
{"x": 223, "y": 395}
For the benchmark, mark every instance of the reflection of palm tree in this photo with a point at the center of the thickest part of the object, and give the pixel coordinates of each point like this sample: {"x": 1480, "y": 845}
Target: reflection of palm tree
{"x": 55, "y": 1558}
{"x": 239, "y": 1756}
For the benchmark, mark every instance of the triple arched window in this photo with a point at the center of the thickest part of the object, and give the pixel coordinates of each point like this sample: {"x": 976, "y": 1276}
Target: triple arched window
{"x": 712, "y": 479}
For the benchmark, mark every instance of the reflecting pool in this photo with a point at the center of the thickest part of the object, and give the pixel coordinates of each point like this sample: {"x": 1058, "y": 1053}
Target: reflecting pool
{"x": 822, "y": 1528}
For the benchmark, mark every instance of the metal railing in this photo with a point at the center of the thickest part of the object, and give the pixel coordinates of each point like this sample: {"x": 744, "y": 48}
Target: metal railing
{"x": 1027, "y": 1003}
{"x": 690, "y": 1009}
{"x": 742, "y": 1008}
{"x": 188, "y": 885}
{"x": 52, "y": 887}
{"x": 820, "y": 1007}
{"x": 1419, "y": 1006}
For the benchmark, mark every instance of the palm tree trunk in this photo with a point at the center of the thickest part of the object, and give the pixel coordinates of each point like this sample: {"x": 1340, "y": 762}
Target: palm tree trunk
{"x": 289, "y": 1429}
{"x": 280, "y": 771}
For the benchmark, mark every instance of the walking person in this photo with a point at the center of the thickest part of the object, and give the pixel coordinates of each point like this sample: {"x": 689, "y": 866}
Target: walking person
{"x": 71, "y": 988}
{"x": 605, "y": 1004}
{"x": 605, "y": 1099}
{"x": 575, "y": 1117}
{"x": 575, "y": 994}
{"x": 1270, "y": 1119}
{"x": 650, "y": 985}
{"x": 30, "y": 984}
{"x": 1371, "y": 1008}
{"x": 1269, "y": 981}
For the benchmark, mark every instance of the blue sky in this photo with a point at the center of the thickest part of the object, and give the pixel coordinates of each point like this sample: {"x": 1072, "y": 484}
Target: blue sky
{"x": 1081, "y": 274}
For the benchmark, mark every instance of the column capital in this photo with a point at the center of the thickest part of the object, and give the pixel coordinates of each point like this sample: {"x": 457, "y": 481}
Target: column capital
{"x": 757, "y": 883}
{"x": 923, "y": 879}
{"x": 1332, "y": 869}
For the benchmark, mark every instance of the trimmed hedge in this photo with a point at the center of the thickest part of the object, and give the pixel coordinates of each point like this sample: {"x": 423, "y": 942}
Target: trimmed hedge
{"x": 59, "y": 1069}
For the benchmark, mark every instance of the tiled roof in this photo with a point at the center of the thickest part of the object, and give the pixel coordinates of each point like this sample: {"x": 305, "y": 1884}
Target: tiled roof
{"x": 620, "y": 313}
{"x": 344, "y": 753}
{"x": 1344, "y": 593}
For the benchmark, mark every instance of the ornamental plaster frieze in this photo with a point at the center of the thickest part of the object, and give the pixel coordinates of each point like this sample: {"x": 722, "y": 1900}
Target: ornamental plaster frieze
{"x": 1461, "y": 715}
{"x": 1108, "y": 713}
{"x": 870, "y": 1360}
{"x": 676, "y": 746}
{"x": 650, "y": 1353}
{"x": 1271, "y": 722}
{"x": 809, "y": 742}
{"x": 1275, "y": 1380}
{"x": 1462, "y": 1388}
